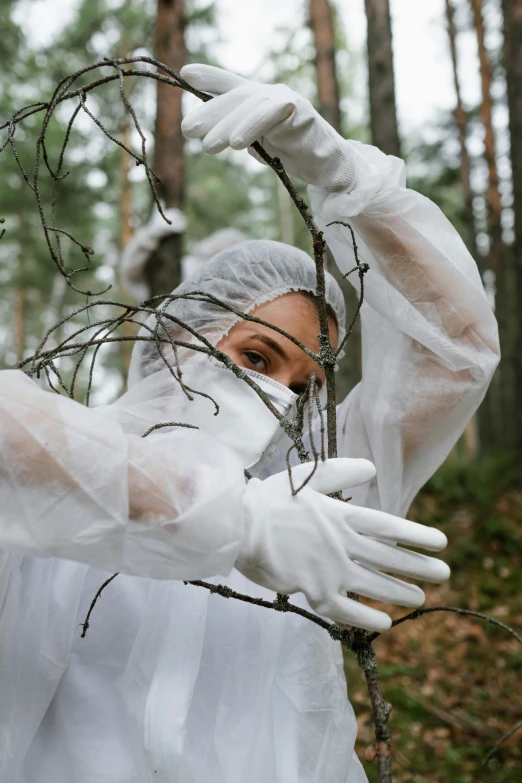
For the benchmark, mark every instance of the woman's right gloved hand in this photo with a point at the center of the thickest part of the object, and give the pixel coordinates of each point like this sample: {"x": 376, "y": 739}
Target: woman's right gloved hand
{"x": 286, "y": 124}
{"x": 324, "y": 547}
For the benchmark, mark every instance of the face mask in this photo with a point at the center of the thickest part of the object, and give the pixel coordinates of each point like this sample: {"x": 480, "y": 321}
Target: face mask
{"x": 243, "y": 423}
{"x": 281, "y": 397}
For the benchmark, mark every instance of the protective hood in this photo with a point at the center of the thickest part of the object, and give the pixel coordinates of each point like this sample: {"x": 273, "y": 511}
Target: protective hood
{"x": 237, "y": 280}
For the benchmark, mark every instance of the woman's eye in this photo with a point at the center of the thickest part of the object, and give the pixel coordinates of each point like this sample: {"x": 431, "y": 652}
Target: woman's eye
{"x": 256, "y": 360}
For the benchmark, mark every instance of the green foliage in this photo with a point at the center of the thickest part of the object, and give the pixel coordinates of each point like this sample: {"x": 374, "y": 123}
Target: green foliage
{"x": 222, "y": 192}
{"x": 25, "y": 260}
{"x": 480, "y": 482}
{"x": 11, "y": 38}
{"x": 89, "y": 198}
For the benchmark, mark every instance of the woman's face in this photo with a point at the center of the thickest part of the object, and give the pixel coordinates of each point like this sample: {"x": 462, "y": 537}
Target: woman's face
{"x": 262, "y": 349}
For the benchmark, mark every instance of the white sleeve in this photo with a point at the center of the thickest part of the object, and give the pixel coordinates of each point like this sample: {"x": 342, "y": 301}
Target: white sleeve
{"x": 75, "y": 485}
{"x": 429, "y": 336}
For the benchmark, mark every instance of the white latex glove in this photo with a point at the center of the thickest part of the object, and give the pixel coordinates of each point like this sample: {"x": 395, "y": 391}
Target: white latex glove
{"x": 325, "y": 548}
{"x": 285, "y": 123}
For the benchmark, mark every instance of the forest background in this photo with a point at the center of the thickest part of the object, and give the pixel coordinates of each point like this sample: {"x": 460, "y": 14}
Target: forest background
{"x": 452, "y": 682}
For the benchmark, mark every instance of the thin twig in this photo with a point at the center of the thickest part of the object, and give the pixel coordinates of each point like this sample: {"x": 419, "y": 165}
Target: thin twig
{"x": 169, "y": 424}
{"x": 85, "y": 624}
{"x": 456, "y": 610}
{"x": 501, "y": 741}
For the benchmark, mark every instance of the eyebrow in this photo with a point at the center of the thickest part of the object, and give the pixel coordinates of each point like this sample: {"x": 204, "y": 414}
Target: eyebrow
{"x": 263, "y": 338}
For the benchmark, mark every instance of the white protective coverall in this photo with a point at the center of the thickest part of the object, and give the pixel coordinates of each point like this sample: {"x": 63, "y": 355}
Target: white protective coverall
{"x": 173, "y": 684}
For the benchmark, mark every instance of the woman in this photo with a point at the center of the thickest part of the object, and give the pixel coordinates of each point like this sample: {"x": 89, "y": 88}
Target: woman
{"x": 171, "y": 683}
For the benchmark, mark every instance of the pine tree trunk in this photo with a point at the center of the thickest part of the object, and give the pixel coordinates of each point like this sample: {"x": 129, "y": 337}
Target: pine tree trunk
{"x": 126, "y": 188}
{"x": 485, "y": 423}
{"x": 461, "y": 121}
{"x": 126, "y": 198}
{"x": 486, "y": 112}
{"x": 125, "y": 235}
{"x": 383, "y": 111}
{"x": 326, "y": 75}
{"x": 20, "y": 294}
{"x": 512, "y": 10}
{"x": 286, "y": 214}
{"x": 501, "y": 391}
{"x": 19, "y": 301}
{"x": 163, "y": 269}
{"x": 321, "y": 21}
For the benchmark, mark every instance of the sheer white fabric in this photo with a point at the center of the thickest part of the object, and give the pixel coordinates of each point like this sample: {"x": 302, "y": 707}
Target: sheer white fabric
{"x": 429, "y": 336}
{"x": 66, "y": 475}
{"x": 172, "y": 684}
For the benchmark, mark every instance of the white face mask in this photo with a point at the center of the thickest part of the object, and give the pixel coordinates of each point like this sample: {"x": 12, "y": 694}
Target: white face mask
{"x": 244, "y": 422}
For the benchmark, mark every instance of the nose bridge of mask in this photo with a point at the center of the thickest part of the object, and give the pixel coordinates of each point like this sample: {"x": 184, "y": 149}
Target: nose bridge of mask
{"x": 281, "y": 397}
{"x": 244, "y": 423}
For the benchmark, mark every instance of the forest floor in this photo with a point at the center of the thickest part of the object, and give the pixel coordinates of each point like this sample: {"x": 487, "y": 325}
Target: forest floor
{"x": 455, "y": 683}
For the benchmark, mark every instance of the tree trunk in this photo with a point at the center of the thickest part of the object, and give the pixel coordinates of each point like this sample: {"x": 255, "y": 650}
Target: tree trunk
{"x": 163, "y": 268}
{"x": 461, "y": 122}
{"x": 126, "y": 187}
{"x": 328, "y": 93}
{"x": 485, "y": 419}
{"x": 512, "y": 10}
{"x": 20, "y": 294}
{"x": 19, "y": 301}
{"x": 286, "y": 214}
{"x": 501, "y": 391}
{"x": 125, "y": 235}
{"x": 383, "y": 111}
{"x": 126, "y": 213}
{"x": 326, "y": 75}
{"x": 486, "y": 112}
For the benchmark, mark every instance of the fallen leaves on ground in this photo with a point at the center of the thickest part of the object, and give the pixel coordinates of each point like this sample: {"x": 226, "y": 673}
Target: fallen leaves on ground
{"x": 455, "y": 682}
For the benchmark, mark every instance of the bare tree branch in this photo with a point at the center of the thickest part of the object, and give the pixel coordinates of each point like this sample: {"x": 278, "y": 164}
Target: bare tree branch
{"x": 501, "y": 741}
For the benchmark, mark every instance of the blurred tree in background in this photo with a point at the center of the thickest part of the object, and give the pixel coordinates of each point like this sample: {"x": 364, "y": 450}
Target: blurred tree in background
{"x": 163, "y": 268}
{"x": 512, "y": 60}
{"x": 383, "y": 111}
{"x": 104, "y": 198}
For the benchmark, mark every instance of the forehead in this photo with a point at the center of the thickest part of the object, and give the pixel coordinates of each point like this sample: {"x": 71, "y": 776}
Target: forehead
{"x": 293, "y": 313}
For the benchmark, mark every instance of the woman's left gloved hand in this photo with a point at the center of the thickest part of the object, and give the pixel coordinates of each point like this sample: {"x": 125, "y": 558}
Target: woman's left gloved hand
{"x": 285, "y": 123}
{"x": 310, "y": 543}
